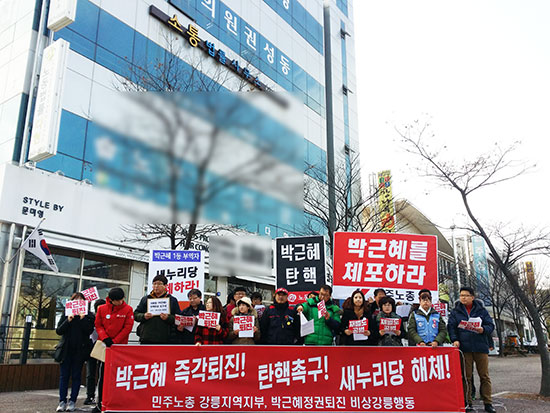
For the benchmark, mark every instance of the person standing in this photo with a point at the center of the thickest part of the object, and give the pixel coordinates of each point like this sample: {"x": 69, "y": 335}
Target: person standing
{"x": 473, "y": 344}
{"x": 426, "y": 327}
{"x": 244, "y": 308}
{"x": 216, "y": 334}
{"x": 113, "y": 323}
{"x": 326, "y": 327}
{"x": 73, "y": 349}
{"x": 183, "y": 335}
{"x": 280, "y": 323}
{"x": 91, "y": 363}
{"x": 237, "y": 294}
{"x": 156, "y": 329}
{"x": 356, "y": 308}
{"x": 387, "y": 310}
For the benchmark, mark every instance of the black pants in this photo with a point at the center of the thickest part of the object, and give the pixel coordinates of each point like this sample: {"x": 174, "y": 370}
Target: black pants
{"x": 100, "y": 384}
{"x": 91, "y": 374}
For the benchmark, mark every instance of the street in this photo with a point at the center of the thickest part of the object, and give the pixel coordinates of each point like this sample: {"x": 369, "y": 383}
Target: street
{"x": 509, "y": 375}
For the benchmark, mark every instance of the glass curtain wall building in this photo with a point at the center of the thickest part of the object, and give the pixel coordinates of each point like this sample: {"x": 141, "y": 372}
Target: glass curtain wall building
{"x": 96, "y": 174}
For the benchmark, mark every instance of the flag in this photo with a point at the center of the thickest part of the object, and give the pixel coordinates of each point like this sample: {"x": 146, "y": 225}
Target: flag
{"x": 36, "y": 245}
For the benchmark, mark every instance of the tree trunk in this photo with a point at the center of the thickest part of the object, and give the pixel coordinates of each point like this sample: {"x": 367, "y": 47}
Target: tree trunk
{"x": 520, "y": 293}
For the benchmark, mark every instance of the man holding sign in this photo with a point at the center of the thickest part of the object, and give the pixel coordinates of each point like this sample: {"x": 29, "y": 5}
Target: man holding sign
{"x": 326, "y": 317}
{"x": 156, "y": 314}
{"x": 473, "y": 343}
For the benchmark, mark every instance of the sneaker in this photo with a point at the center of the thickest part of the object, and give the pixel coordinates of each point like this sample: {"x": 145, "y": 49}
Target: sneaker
{"x": 490, "y": 409}
{"x": 470, "y": 408}
{"x": 89, "y": 400}
{"x": 71, "y": 406}
{"x": 96, "y": 409}
{"x": 62, "y": 406}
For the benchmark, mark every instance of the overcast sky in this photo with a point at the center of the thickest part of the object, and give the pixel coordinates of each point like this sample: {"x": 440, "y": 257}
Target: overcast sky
{"x": 480, "y": 70}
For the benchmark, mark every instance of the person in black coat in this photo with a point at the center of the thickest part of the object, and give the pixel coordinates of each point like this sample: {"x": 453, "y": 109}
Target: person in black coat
{"x": 280, "y": 323}
{"x": 73, "y": 349}
{"x": 357, "y": 308}
{"x": 184, "y": 336}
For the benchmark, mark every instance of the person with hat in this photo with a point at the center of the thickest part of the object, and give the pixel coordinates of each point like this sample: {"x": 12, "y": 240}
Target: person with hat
{"x": 156, "y": 329}
{"x": 113, "y": 323}
{"x": 280, "y": 323}
{"x": 244, "y": 307}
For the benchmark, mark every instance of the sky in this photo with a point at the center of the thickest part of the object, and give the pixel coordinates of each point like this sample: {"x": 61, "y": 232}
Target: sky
{"x": 479, "y": 71}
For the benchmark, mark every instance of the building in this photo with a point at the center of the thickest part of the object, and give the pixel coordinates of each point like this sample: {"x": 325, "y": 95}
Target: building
{"x": 96, "y": 170}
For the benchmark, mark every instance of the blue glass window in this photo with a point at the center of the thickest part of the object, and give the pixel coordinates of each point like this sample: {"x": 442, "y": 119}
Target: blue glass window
{"x": 72, "y": 133}
{"x": 71, "y": 167}
{"x": 115, "y": 36}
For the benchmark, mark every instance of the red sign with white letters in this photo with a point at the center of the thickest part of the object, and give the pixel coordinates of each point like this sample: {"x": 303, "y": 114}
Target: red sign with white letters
{"x": 404, "y": 262}
{"x": 278, "y": 378}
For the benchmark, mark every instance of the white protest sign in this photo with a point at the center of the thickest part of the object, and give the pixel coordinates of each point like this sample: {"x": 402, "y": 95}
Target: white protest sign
{"x": 188, "y": 322}
{"x": 306, "y": 327}
{"x": 157, "y": 306}
{"x": 208, "y": 319}
{"x": 471, "y": 325}
{"x": 244, "y": 324}
{"x": 441, "y": 308}
{"x": 403, "y": 310}
{"x": 91, "y": 294}
{"x": 76, "y": 307}
{"x": 183, "y": 269}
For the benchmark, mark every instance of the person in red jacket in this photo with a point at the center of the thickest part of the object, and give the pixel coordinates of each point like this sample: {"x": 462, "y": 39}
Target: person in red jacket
{"x": 113, "y": 323}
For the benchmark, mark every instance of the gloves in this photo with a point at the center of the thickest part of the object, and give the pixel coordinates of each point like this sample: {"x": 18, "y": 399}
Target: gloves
{"x": 108, "y": 341}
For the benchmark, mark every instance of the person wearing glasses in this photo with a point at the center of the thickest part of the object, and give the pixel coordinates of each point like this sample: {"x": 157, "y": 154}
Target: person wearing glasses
{"x": 156, "y": 329}
{"x": 473, "y": 343}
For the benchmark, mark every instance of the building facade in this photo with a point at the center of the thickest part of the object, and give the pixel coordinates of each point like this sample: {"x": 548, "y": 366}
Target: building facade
{"x": 75, "y": 152}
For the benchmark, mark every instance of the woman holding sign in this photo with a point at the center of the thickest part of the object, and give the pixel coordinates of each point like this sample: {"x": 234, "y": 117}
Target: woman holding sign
{"x": 389, "y": 324}
{"x": 244, "y": 327}
{"x": 356, "y": 329}
{"x": 216, "y": 334}
{"x": 73, "y": 349}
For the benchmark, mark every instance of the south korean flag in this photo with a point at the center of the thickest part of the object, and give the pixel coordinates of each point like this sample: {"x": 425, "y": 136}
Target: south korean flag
{"x": 36, "y": 245}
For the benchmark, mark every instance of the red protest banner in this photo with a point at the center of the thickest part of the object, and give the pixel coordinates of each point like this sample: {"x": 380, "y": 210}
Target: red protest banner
{"x": 402, "y": 263}
{"x": 249, "y": 379}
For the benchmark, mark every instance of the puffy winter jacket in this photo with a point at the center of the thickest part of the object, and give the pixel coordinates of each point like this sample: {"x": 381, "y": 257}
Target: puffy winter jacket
{"x": 372, "y": 339}
{"x": 470, "y": 341}
{"x": 426, "y": 328}
{"x": 280, "y": 324}
{"x": 156, "y": 330}
{"x": 75, "y": 337}
{"x": 324, "y": 329}
{"x": 114, "y": 321}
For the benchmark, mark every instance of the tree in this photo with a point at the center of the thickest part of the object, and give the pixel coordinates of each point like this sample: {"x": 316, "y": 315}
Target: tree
{"x": 507, "y": 248}
{"x": 353, "y": 210}
{"x": 189, "y": 109}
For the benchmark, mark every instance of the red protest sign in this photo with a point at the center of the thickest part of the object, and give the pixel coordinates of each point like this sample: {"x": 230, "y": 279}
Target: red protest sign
{"x": 321, "y": 308}
{"x": 472, "y": 324}
{"x": 441, "y": 308}
{"x": 359, "y": 326}
{"x": 400, "y": 262}
{"x": 390, "y": 325}
{"x": 208, "y": 319}
{"x": 91, "y": 294}
{"x": 275, "y": 378}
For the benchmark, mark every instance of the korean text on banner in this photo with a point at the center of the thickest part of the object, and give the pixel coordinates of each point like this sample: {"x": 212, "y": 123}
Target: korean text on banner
{"x": 390, "y": 325}
{"x": 402, "y": 263}
{"x": 245, "y": 325}
{"x": 208, "y": 319}
{"x": 276, "y": 379}
{"x": 300, "y": 265}
{"x": 472, "y": 324}
{"x": 76, "y": 307}
{"x": 183, "y": 269}
{"x": 91, "y": 294}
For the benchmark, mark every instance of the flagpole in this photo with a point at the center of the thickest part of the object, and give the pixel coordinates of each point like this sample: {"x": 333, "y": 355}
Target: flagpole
{"x": 23, "y": 243}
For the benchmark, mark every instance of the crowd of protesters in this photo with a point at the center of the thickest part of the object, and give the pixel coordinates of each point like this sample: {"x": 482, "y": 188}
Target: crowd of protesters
{"x": 276, "y": 324}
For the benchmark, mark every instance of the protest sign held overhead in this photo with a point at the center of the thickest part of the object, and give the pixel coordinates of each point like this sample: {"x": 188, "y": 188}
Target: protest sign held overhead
{"x": 183, "y": 269}
{"x": 402, "y": 264}
{"x": 300, "y": 265}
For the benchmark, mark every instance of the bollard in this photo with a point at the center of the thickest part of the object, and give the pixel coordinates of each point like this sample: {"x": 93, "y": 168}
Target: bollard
{"x": 26, "y": 339}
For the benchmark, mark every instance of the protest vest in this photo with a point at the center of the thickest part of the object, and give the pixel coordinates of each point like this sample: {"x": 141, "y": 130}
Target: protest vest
{"x": 427, "y": 328}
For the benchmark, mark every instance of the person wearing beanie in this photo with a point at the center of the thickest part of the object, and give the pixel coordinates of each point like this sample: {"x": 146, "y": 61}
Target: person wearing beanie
{"x": 157, "y": 329}
{"x": 113, "y": 323}
{"x": 244, "y": 307}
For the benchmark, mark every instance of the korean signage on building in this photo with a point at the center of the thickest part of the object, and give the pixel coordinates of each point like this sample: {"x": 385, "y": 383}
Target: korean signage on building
{"x": 386, "y": 208}
{"x": 249, "y": 379}
{"x": 183, "y": 269}
{"x": 300, "y": 265}
{"x": 402, "y": 264}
